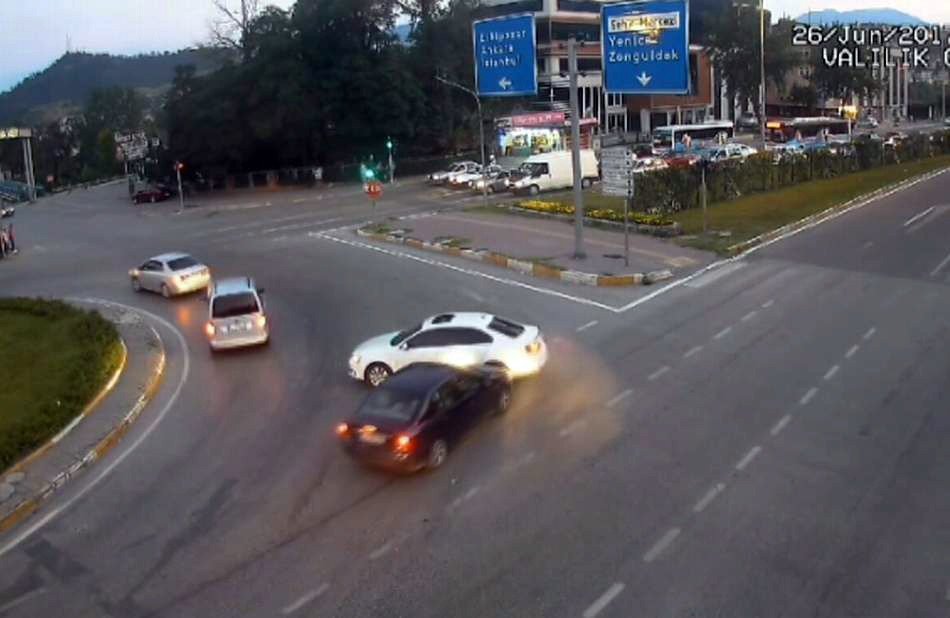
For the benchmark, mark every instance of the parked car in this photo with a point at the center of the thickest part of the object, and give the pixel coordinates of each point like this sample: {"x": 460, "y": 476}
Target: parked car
{"x": 170, "y": 274}
{"x": 461, "y": 167}
{"x": 496, "y": 183}
{"x": 747, "y": 121}
{"x": 680, "y": 160}
{"x": 154, "y": 194}
{"x": 649, "y": 164}
{"x": 787, "y": 151}
{"x": 421, "y": 413}
{"x": 460, "y": 339}
{"x": 728, "y": 152}
{"x": 461, "y": 181}
{"x": 555, "y": 170}
{"x": 236, "y": 315}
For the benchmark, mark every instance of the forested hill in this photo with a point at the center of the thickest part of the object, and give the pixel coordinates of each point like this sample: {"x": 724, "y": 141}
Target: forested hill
{"x": 68, "y": 81}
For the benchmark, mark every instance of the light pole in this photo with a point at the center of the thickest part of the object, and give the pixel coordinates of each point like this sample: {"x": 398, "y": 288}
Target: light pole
{"x": 579, "y": 252}
{"x": 481, "y": 129}
{"x": 762, "y": 71}
{"x": 392, "y": 169}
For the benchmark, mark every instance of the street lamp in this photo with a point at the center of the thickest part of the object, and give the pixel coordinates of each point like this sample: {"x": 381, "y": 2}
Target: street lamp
{"x": 762, "y": 71}
{"x": 481, "y": 128}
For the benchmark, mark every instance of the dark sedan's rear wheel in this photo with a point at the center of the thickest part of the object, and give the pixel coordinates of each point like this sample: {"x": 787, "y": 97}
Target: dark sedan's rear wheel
{"x": 504, "y": 400}
{"x": 376, "y": 374}
{"x": 438, "y": 453}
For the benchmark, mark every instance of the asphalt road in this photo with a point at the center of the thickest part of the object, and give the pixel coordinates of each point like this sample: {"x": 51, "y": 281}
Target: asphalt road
{"x": 767, "y": 439}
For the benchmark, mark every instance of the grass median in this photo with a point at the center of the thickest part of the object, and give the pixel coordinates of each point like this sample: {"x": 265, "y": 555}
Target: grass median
{"x": 55, "y": 359}
{"x": 748, "y": 217}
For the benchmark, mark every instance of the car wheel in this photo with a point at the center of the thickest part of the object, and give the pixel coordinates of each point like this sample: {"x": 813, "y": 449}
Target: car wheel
{"x": 504, "y": 400}
{"x": 491, "y": 189}
{"x": 586, "y": 183}
{"x": 438, "y": 452}
{"x": 136, "y": 284}
{"x": 376, "y": 374}
{"x": 534, "y": 190}
{"x": 166, "y": 292}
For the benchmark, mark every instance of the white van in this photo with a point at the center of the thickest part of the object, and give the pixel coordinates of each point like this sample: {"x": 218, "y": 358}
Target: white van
{"x": 554, "y": 170}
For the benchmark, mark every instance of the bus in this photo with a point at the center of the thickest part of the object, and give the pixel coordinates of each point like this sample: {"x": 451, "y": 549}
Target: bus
{"x": 787, "y": 129}
{"x": 719, "y": 130}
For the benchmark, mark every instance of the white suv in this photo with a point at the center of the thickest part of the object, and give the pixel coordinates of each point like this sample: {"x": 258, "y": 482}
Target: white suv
{"x": 236, "y": 314}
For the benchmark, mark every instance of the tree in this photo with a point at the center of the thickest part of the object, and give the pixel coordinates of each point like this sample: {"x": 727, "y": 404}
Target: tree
{"x": 839, "y": 82}
{"x": 232, "y": 28}
{"x": 806, "y": 96}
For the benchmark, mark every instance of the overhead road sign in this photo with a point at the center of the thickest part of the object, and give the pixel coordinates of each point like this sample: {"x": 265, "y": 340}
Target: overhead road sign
{"x": 645, "y": 47}
{"x": 505, "y": 56}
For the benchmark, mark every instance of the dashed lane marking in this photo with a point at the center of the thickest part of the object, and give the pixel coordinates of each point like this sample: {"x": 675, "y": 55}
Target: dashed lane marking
{"x": 780, "y": 425}
{"x": 831, "y": 372}
{"x": 661, "y": 545}
{"x": 659, "y": 372}
{"x": 23, "y": 598}
{"x": 576, "y": 425}
{"x": 305, "y": 599}
{"x": 693, "y": 351}
{"x": 940, "y": 266}
{"x": 620, "y": 397}
{"x": 598, "y": 606}
{"x": 768, "y": 303}
{"x": 808, "y": 396}
{"x": 867, "y": 336}
{"x": 918, "y": 216}
{"x": 749, "y": 316}
{"x": 584, "y": 327}
{"x": 723, "y": 333}
{"x": 745, "y": 461}
{"x": 852, "y": 351}
{"x": 381, "y": 551}
{"x": 709, "y": 497}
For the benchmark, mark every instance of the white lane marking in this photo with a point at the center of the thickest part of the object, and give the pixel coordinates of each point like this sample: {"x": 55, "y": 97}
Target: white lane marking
{"x": 831, "y": 372}
{"x": 869, "y": 334}
{"x": 716, "y": 274}
{"x": 852, "y": 351}
{"x": 246, "y": 226}
{"x": 381, "y": 551}
{"x": 584, "y": 327}
{"x": 466, "y": 271}
{"x": 523, "y": 461}
{"x": 709, "y": 497}
{"x": 780, "y": 425}
{"x": 186, "y": 369}
{"x": 598, "y": 606}
{"x": 808, "y": 396}
{"x": 620, "y": 397}
{"x": 745, "y": 461}
{"x": 723, "y": 333}
{"x": 868, "y": 244}
{"x": 296, "y": 226}
{"x": 693, "y": 351}
{"x": 20, "y": 600}
{"x": 940, "y": 266}
{"x": 749, "y": 316}
{"x": 659, "y": 372}
{"x": 468, "y": 495}
{"x": 578, "y": 424}
{"x": 473, "y": 295}
{"x": 768, "y": 303}
{"x": 918, "y": 216}
{"x": 305, "y": 599}
{"x": 660, "y": 545}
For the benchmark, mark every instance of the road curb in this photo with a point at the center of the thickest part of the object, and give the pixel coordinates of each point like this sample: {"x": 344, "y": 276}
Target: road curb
{"x": 27, "y": 506}
{"x": 525, "y": 267}
{"x": 744, "y": 247}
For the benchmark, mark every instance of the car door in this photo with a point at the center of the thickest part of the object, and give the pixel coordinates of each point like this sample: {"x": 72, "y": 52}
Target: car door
{"x": 150, "y": 275}
{"x": 461, "y": 407}
{"x": 424, "y": 347}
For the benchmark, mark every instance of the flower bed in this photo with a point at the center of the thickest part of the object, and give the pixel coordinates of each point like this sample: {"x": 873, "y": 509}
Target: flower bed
{"x": 658, "y": 225}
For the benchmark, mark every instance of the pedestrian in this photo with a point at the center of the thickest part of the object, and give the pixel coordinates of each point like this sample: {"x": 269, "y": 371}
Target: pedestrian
{"x": 11, "y": 239}
{"x": 3, "y": 242}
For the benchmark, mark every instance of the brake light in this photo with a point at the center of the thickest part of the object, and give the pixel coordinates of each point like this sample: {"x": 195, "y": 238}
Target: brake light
{"x": 260, "y": 321}
{"x": 403, "y": 443}
{"x": 342, "y": 429}
{"x": 534, "y": 347}
{"x": 209, "y": 329}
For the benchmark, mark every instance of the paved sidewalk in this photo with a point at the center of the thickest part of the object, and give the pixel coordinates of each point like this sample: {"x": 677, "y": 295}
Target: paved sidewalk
{"x": 552, "y": 242}
{"x": 27, "y": 484}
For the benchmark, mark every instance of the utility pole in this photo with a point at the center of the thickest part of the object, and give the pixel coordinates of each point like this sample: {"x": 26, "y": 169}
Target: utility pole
{"x": 181, "y": 197}
{"x": 392, "y": 168}
{"x": 579, "y": 252}
{"x": 481, "y": 130}
{"x": 702, "y": 168}
{"x": 762, "y": 71}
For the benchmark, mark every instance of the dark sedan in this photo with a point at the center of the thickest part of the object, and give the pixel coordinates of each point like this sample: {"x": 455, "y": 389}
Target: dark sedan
{"x": 152, "y": 195}
{"x": 415, "y": 417}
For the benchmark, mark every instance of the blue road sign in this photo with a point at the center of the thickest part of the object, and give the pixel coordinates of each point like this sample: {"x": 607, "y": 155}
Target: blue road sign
{"x": 646, "y": 47}
{"x": 505, "y": 58}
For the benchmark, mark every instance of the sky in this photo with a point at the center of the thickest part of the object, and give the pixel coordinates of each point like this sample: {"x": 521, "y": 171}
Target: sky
{"x": 34, "y": 33}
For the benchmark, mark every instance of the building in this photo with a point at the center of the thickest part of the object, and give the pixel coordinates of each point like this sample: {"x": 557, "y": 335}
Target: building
{"x": 556, "y": 21}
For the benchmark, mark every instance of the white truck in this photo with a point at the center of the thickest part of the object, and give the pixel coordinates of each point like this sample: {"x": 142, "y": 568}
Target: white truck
{"x": 554, "y": 170}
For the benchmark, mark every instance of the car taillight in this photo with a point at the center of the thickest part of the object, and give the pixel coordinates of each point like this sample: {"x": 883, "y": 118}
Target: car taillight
{"x": 403, "y": 443}
{"x": 342, "y": 429}
{"x": 534, "y": 347}
{"x": 209, "y": 329}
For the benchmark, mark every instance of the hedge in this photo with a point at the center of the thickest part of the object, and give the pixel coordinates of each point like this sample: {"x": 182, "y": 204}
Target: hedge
{"x": 603, "y": 214}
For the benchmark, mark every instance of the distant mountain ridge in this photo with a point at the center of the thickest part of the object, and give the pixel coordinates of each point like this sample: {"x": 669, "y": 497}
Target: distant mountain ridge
{"x": 890, "y": 17}
{"x": 70, "y": 79}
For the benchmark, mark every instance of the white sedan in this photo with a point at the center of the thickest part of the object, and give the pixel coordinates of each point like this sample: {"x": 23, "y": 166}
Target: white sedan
{"x": 460, "y": 339}
{"x": 171, "y": 274}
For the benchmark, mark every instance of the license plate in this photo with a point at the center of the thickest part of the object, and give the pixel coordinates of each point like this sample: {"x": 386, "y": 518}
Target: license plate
{"x": 372, "y": 438}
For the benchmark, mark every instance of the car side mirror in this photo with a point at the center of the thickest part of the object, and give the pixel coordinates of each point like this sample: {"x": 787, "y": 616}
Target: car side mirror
{"x": 404, "y": 346}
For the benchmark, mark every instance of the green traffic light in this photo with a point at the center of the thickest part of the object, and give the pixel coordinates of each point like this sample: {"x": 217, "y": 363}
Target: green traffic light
{"x": 389, "y": 144}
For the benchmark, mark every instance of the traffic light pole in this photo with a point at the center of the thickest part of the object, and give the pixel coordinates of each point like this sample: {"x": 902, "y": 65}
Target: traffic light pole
{"x": 481, "y": 131}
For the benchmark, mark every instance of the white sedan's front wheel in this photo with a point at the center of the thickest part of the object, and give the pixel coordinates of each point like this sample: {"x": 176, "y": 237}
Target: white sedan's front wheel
{"x": 136, "y": 284}
{"x": 376, "y": 374}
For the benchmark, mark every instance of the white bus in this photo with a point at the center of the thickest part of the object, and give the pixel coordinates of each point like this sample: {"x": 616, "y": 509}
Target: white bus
{"x": 720, "y": 130}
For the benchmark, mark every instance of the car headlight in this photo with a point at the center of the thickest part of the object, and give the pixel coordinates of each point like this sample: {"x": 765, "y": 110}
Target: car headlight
{"x": 355, "y": 359}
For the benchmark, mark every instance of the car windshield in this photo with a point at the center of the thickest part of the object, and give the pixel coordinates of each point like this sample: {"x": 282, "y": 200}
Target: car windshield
{"x": 232, "y": 305}
{"x": 405, "y": 334}
{"x": 532, "y": 169}
{"x": 390, "y": 404}
{"x": 182, "y": 263}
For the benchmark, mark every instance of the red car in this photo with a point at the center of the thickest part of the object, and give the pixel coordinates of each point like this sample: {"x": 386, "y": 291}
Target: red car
{"x": 152, "y": 195}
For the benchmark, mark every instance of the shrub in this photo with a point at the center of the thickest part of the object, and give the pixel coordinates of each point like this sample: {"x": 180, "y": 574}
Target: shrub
{"x": 602, "y": 214}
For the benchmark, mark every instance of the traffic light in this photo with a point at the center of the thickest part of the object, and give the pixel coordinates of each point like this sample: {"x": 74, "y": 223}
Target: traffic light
{"x": 369, "y": 174}
{"x": 389, "y": 144}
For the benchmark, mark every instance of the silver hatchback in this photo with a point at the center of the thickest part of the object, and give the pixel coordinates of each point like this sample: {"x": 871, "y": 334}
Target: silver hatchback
{"x": 236, "y": 315}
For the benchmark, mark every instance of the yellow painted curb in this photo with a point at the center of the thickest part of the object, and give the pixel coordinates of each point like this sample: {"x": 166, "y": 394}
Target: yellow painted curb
{"x": 548, "y": 272}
